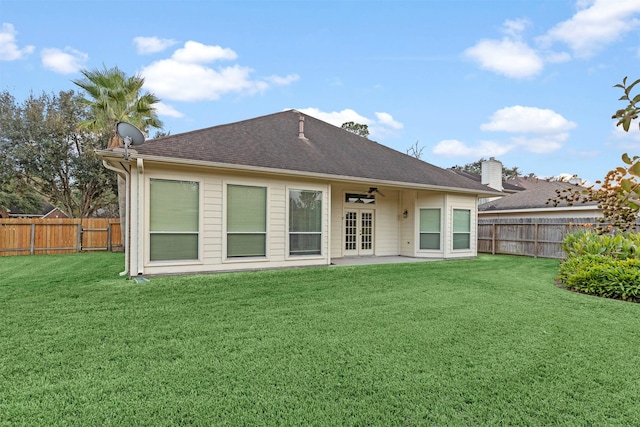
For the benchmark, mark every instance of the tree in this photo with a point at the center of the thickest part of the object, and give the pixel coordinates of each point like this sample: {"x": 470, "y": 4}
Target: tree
{"x": 113, "y": 97}
{"x": 415, "y": 151}
{"x": 476, "y": 167}
{"x": 46, "y": 152}
{"x": 357, "y": 128}
{"x": 619, "y": 193}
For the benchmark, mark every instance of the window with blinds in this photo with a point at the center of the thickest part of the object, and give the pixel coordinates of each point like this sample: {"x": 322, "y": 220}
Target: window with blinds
{"x": 461, "y": 229}
{"x": 174, "y": 220}
{"x": 305, "y": 222}
{"x": 246, "y": 221}
{"x": 430, "y": 229}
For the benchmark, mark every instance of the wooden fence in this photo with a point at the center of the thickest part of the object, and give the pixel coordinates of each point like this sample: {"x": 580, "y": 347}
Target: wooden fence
{"x": 535, "y": 237}
{"x": 58, "y": 235}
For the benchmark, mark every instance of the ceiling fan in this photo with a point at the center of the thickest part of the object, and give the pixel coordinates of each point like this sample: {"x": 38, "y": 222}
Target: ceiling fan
{"x": 373, "y": 190}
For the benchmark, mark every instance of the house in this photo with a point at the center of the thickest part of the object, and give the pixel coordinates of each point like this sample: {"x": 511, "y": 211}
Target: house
{"x": 533, "y": 202}
{"x": 286, "y": 190}
{"x": 48, "y": 211}
{"x": 491, "y": 176}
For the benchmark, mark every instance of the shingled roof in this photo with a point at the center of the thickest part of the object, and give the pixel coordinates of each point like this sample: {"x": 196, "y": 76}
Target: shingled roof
{"x": 532, "y": 198}
{"x": 276, "y": 141}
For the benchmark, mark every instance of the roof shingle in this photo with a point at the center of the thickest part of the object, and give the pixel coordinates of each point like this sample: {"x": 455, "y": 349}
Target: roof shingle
{"x": 273, "y": 141}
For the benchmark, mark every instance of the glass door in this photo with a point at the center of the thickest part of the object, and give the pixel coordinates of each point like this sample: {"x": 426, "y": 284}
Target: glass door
{"x": 358, "y": 232}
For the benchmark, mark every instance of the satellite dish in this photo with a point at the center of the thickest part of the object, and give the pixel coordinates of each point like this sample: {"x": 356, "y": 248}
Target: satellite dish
{"x": 130, "y": 134}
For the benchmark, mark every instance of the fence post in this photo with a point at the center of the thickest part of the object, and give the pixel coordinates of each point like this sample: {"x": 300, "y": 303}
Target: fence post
{"x": 33, "y": 239}
{"x": 535, "y": 240}
{"x": 109, "y": 224}
{"x": 79, "y": 245}
{"x": 493, "y": 240}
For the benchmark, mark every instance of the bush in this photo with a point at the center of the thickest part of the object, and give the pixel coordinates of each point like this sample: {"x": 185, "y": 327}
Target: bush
{"x": 602, "y": 276}
{"x": 588, "y": 242}
{"x": 602, "y": 265}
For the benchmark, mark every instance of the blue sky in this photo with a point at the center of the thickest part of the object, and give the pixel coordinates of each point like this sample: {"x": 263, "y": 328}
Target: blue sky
{"x": 529, "y": 82}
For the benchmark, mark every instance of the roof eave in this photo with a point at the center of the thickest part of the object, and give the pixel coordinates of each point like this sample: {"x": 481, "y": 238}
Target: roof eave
{"x": 117, "y": 156}
{"x": 540, "y": 210}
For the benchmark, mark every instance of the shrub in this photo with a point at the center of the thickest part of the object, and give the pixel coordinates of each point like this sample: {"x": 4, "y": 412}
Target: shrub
{"x": 602, "y": 276}
{"x": 588, "y": 242}
{"x": 602, "y": 265}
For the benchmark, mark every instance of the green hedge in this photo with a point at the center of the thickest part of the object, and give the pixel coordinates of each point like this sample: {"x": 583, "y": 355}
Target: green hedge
{"x": 602, "y": 265}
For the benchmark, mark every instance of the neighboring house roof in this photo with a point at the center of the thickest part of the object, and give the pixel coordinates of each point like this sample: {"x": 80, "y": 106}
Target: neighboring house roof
{"x": 535, "y": 197}
{"x": 48, "y": 211}
{"x": 506, "y": 186}
{"x": 282, "y": 142}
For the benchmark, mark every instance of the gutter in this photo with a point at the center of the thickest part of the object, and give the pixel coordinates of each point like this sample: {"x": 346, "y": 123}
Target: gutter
{"x": 123, "y": 172}
{"x": 322, "y": 176}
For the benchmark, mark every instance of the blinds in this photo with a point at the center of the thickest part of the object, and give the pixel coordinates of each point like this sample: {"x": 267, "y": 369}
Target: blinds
{"x": 246, "y": 209}
{"x": 430, "y": 229}
{"x": 246, "y": 221}
{"x": 174, "y": 220}
{"x": 174, "y": 205}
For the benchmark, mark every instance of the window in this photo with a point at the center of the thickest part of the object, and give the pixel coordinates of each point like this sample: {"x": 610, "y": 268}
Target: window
{"x": 429, "y": 228}
{"x": 246, "y": 221}
{"x": 305, "y": 222}
{"x": 366, "y": 198}
{"x": 461, "y": 229}
{"x": 174, "y": 220}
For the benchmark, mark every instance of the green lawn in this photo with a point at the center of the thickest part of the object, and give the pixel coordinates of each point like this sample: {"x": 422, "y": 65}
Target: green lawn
{"x": 471, "y": 342}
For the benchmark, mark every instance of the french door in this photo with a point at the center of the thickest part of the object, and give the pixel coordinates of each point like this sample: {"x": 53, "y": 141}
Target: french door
{"x": 358, "y": 232}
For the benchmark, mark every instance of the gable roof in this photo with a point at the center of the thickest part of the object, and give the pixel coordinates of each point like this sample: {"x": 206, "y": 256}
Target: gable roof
{"x": 274, "y": 142}
{"x": 535, "y": 197}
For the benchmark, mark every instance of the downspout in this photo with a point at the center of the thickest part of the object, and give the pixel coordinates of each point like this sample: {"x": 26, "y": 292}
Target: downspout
{"x": 126, "y": 174}
{"x": 140, "y": 165}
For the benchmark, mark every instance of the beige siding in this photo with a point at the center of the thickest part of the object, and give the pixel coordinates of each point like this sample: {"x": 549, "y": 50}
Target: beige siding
{"x": 408, "y": 200}
{"x": 386, "y": 226}
{"x": 213, "y": 226}
{"x": 337, "y": 220}
{"x": 393, "y": 234}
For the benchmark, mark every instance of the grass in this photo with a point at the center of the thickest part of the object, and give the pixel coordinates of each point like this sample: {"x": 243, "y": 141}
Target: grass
{"x": 471, "y": 342}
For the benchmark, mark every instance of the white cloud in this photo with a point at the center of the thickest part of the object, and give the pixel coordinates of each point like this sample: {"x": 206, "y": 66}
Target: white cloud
{"x": 519, "y": 119}
{"x": 147, "y": 45}
{"x": 188, "y": 76}
{"x": 386, "y": 119}
{"x": 456, "y": 148}
{"x": 624, "y": 140}
{"x": 198, "y": 53}
{"x": 65, "y": 61}
{"x": 336, "y": 118}
{"x": 9, "y": 50}
{"x": 383, "y": 126}
{"x": 509, "y": 56}
{"x": 167, "y": 110}
{"x": 596, "y": 24}
{"x": 543, "y": 144}
{"x": 535, "y": 130}
{"x": 283, "y": 80}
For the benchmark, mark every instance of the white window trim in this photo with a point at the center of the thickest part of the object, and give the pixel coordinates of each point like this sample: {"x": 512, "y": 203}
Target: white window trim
{"x": 322, "y": 254}
{"x": 147, "y": 218}
{"x": 453, "y": 209}
{"x": 431, "y": 251}
{"x": 239, "y": 260}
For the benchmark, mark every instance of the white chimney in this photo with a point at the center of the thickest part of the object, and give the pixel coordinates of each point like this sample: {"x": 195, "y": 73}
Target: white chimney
{"x": 492, "y": 173}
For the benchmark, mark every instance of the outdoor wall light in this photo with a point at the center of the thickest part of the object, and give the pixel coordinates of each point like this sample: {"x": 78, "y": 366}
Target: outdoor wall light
{"x": 405, "y": 213}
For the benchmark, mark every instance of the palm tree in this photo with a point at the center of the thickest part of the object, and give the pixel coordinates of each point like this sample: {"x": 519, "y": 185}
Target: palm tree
{"x": 113, "y": 97}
